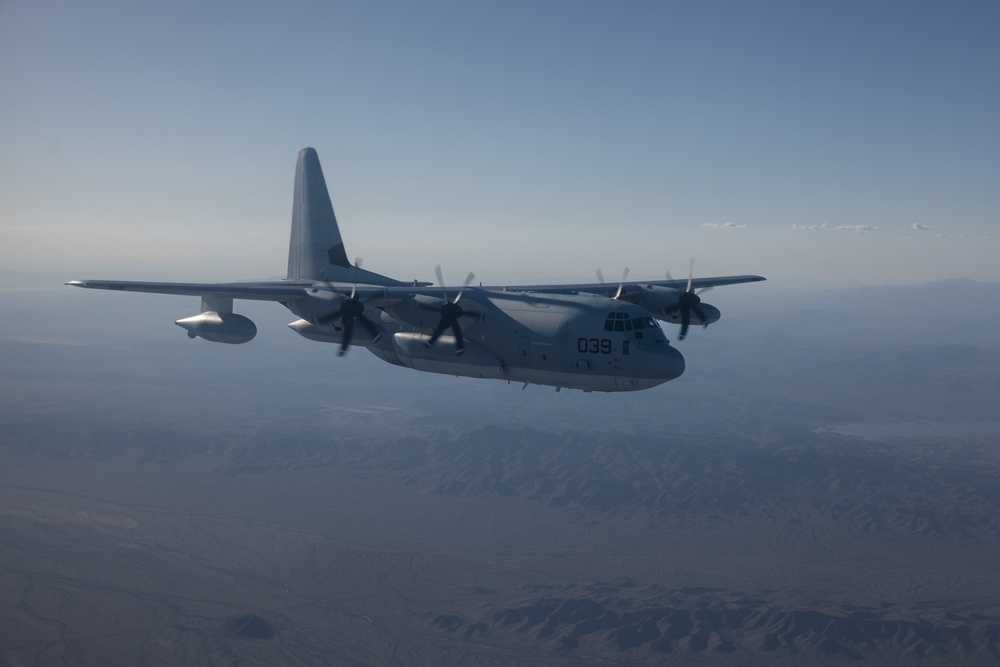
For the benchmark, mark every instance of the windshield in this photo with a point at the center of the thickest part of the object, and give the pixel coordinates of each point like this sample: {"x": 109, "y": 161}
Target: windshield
{"x": 624, "y": 322}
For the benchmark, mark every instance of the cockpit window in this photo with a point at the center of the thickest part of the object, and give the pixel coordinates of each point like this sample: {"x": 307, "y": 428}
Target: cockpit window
{"x": 622, "y": 322}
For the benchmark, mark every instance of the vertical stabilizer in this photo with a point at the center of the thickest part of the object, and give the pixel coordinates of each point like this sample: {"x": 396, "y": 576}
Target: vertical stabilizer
{"x": 315, "y": 250}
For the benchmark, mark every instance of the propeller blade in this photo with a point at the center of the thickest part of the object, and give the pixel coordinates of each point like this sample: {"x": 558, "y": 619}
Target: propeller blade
{"x": 440, "y": 276}
{"x": 345, "y": 339}
{"x": 438, "y": 330}
{"x": 600, "y": 279}
{"x": 351, "y": 309}
{"x": 621, "y": 285}
{"x": 367, "y": 324}
{"x": 450, "y": 312}
{"x": 468, "y": 280}
{"x": 688, "y": 302}
{"x": 459, "y": 340}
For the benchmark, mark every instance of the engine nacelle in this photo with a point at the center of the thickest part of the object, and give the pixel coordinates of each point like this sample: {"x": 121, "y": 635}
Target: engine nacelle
{"x": 219, "y": 327}
{"x": 711, "y": 313}
{"x": 477, "y": 360}
{"x": 656, "y": 299}
{"x": 418, "y": 310}
{"x": 424, "y": 312}
{"x": 661, "y": 302}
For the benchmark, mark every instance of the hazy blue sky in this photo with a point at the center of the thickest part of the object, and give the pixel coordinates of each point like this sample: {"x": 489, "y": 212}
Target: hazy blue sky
{"x": 823, "y": 141}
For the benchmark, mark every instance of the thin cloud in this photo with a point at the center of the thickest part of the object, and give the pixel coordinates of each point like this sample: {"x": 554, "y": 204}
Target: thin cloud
{"x": 857, "y": 229}
{"x": 722, "y": 225}
{"x": 854, "y": 229}
{"x": 963, "y": 236}
{"x": 918, "y": 227}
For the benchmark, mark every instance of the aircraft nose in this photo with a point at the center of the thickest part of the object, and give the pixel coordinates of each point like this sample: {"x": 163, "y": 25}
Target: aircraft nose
{"x": 670, "y": 363}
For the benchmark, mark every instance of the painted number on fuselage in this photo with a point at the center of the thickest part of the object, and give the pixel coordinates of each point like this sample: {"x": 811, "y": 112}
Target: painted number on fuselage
{"x": 593, "y": 345}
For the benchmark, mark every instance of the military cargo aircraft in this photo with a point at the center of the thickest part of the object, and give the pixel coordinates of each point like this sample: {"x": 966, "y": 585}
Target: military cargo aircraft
{"x": 592, "y": 337}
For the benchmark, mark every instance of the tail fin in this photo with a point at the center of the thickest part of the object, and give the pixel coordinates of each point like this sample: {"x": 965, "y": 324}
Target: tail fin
{"x": 315, "y": 250}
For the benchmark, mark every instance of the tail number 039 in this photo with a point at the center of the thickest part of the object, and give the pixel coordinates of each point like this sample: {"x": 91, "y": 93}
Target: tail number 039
{"x": 593, "y": 345}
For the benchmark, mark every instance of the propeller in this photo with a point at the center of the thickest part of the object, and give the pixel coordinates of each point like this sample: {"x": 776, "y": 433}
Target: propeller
{"x": 450, "y": 313}
{"x": 688, "y": 302}
{"x": 621, "y": 285}
{"x": 351, "y": 308}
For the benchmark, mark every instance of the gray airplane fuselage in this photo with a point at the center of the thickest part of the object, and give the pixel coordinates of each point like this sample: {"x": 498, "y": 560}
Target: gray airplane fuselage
{"x": 578, "y": 341}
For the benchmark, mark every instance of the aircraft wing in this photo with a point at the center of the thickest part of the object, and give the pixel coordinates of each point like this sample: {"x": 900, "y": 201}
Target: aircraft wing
{"x": 269, "y": 291}
{"x": 633, "y": 286}
{"x": 379, "y": 296}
